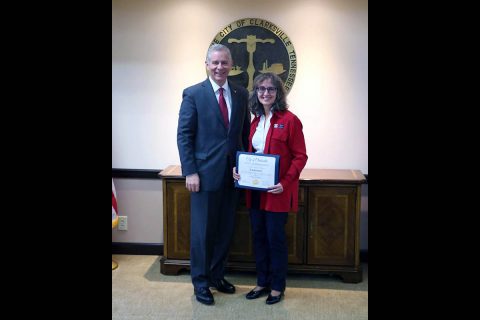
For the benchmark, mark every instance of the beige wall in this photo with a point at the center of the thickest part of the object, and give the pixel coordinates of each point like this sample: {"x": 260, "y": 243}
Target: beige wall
{"x": 141, "y": 201}
{"x": 158, "y": 49}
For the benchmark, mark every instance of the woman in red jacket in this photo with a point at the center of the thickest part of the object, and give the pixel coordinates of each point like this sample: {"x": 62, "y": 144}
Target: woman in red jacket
{"x": 274, "y": 130}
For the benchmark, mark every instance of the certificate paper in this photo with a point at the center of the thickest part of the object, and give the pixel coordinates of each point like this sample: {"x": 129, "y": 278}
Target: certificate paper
{"x": 257, "y": 171}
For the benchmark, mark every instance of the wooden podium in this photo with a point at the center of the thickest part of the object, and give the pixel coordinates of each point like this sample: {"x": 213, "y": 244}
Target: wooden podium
{"x": 323, "y": 236}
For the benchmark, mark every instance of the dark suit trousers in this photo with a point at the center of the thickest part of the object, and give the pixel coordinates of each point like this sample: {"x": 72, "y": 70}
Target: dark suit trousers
{"x": 211, "y": 231}
{"x": 270, "y": 245}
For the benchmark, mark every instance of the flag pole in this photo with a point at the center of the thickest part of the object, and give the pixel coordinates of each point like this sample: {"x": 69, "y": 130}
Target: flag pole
{"x": 114, "y": 263}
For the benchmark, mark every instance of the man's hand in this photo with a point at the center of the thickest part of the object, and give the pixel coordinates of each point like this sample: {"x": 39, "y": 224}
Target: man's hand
{"x": 192, "y": 182}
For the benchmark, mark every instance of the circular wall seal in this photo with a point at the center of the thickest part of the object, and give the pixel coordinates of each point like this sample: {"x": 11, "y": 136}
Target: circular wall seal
{"x": 258, "y": 46}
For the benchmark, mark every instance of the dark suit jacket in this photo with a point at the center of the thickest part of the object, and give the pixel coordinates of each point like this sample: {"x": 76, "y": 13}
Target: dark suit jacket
{"x": 205, "y": 145}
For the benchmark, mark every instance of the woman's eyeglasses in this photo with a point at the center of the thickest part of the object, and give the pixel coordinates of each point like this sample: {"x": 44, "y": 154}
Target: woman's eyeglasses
{"x": 269, "y": 89}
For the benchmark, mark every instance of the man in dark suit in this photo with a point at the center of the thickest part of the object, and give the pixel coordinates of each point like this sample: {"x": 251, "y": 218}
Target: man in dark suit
{"x": 213, "y": 124}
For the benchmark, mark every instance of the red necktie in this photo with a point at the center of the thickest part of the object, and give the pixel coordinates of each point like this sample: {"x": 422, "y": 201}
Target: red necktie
{"x": 223, "y": 107}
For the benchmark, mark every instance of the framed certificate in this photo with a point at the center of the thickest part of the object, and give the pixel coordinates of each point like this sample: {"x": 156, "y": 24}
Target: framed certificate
{"x": 257, "y": 171}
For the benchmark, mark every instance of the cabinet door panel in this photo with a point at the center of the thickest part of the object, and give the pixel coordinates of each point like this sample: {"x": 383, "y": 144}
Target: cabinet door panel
{"x": 178, "y": 220}
{"x": 241, "y": 248}
{"x": 295, "y": 230}
{"x": 331, "y": 223}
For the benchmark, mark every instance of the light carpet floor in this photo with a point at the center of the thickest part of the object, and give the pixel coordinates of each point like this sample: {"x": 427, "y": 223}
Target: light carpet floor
{"x": 140, "y": 291}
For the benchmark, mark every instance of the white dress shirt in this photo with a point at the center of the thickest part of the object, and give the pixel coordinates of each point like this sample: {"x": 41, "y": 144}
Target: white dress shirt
{"x": 226, "y": 94}
{"x": 258, "y": 139}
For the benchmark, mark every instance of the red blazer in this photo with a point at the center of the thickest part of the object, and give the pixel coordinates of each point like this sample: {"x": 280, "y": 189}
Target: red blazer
{"x": 284, "y": 138}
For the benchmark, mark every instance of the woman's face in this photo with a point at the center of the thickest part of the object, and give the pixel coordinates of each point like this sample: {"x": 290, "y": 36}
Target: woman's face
{"x": 266, "y": 93}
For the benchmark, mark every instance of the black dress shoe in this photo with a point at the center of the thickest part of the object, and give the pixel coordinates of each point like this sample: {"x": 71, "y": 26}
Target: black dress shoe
{"x": 257, "y": 294}
{"x": 223, "y": 285}
{"x": 273, "y": 299}
{"x": 204, "y": 295}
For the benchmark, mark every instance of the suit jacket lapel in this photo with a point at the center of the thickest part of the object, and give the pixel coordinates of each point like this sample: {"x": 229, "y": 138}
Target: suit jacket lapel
{"x": 234, "y": 94}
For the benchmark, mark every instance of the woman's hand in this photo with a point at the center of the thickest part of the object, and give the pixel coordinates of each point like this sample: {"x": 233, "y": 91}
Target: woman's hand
{"x": 236, "y": 176}
{"x": 276, "y": 189}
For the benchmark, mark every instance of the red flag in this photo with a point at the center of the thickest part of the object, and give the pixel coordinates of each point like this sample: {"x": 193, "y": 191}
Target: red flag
{"x": 114, "y": 207}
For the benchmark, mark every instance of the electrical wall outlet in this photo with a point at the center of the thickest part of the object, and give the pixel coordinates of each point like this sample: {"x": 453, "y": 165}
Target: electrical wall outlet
{"x": 122, "y": 223}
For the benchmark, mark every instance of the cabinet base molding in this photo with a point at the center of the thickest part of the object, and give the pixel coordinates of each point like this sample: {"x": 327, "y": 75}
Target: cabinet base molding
{"x": 348, "y": 275}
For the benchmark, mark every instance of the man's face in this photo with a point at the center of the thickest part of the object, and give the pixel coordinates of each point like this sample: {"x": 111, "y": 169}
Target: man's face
{"x": 219, "y": 66}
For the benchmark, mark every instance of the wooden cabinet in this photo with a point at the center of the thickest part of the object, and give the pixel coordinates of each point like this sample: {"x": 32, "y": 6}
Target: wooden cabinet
{"x": 323, "y": 236}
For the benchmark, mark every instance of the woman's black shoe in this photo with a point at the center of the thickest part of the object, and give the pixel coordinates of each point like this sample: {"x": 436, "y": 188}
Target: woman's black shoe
{"x": 274, "y": 299}
{"x": 256, "y": 294}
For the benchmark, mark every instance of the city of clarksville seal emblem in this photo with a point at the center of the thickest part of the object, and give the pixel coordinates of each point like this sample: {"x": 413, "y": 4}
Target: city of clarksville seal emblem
{"x": 258, "y": 46}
